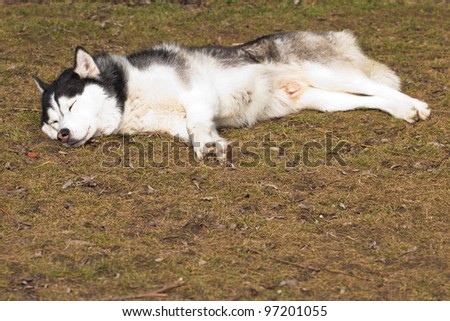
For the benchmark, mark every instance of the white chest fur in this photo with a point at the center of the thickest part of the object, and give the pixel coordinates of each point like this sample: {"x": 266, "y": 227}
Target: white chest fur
{"x": 152, "y": 104}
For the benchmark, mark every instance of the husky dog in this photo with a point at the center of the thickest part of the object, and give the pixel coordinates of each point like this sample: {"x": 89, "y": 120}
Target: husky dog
{"x": 191, "y": 92}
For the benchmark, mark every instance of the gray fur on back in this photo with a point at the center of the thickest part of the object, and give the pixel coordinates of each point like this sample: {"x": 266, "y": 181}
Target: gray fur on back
{"x": 299, "y": 46}
{"x": 285, "y": 48}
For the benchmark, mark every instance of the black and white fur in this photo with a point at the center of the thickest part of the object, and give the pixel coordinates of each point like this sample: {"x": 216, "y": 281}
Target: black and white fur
{"x": 193, "y": 91}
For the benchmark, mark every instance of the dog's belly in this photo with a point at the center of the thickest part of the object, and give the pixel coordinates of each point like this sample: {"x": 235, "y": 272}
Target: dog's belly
{"x": 276, "y": 95}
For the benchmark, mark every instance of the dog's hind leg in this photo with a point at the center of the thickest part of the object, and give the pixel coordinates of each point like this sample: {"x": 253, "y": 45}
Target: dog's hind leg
{"x": 355, "y": 82}
{"x": 331, "y": 101}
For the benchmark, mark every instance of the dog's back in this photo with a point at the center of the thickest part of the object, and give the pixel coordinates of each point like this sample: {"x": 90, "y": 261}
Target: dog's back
{"x": 329, "y": 48}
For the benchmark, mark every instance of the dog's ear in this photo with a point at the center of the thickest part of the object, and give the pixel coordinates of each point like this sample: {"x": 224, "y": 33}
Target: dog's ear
{"x": 42, "y": 86}
{"x": 84, "y": 64}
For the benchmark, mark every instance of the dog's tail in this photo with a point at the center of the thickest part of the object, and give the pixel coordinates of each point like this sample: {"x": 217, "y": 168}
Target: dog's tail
{"x": 346, "y": 45}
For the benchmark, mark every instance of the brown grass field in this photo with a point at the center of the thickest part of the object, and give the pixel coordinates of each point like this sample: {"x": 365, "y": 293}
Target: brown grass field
{"x": 125, "y": 217}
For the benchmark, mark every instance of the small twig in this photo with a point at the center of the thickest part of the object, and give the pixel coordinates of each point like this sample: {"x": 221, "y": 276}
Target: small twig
{"x": 347, "y": 274}
{"x": 15, "y": 219}
{"x": 310, "y": 267}
{"x": 418, "y": 54}
{"x": 137, "y": 296}
{"x": 347, "y": 236}
{"x": 288, "y": 262}
{"x": 23, "y": 109}
{"x": 158, "y": 293}
{"x": 404, "y": 154}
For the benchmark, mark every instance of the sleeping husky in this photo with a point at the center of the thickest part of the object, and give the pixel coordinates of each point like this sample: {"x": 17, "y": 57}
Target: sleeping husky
{"x": 191, "y": 92}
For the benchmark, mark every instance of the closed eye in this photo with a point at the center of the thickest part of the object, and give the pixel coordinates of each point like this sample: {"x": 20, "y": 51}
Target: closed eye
{"x": 54, "y": 122}
{"x": 70, "y": 108}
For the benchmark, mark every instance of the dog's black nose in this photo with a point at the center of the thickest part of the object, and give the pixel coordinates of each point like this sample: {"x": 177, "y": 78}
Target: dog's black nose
{"x": 63, "y": 135}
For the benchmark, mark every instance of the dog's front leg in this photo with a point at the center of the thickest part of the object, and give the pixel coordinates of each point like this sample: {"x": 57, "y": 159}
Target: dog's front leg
{"x": 200, "y": 111}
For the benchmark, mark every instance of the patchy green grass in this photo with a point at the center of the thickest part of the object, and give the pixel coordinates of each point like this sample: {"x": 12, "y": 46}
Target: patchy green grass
{"x": 83, "y": 223}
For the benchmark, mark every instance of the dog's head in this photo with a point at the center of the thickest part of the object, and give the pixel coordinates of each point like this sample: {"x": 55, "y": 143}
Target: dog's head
{"x": 83, "y": 101}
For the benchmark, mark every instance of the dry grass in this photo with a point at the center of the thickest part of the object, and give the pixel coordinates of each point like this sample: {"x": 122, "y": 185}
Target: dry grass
{"x": 374, "y": 229}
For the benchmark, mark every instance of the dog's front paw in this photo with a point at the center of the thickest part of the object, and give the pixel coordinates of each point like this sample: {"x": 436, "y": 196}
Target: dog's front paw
{"x": 423, "y": 111}
{"x": 413, "y": 110}
{"x": 215, "y": 149}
